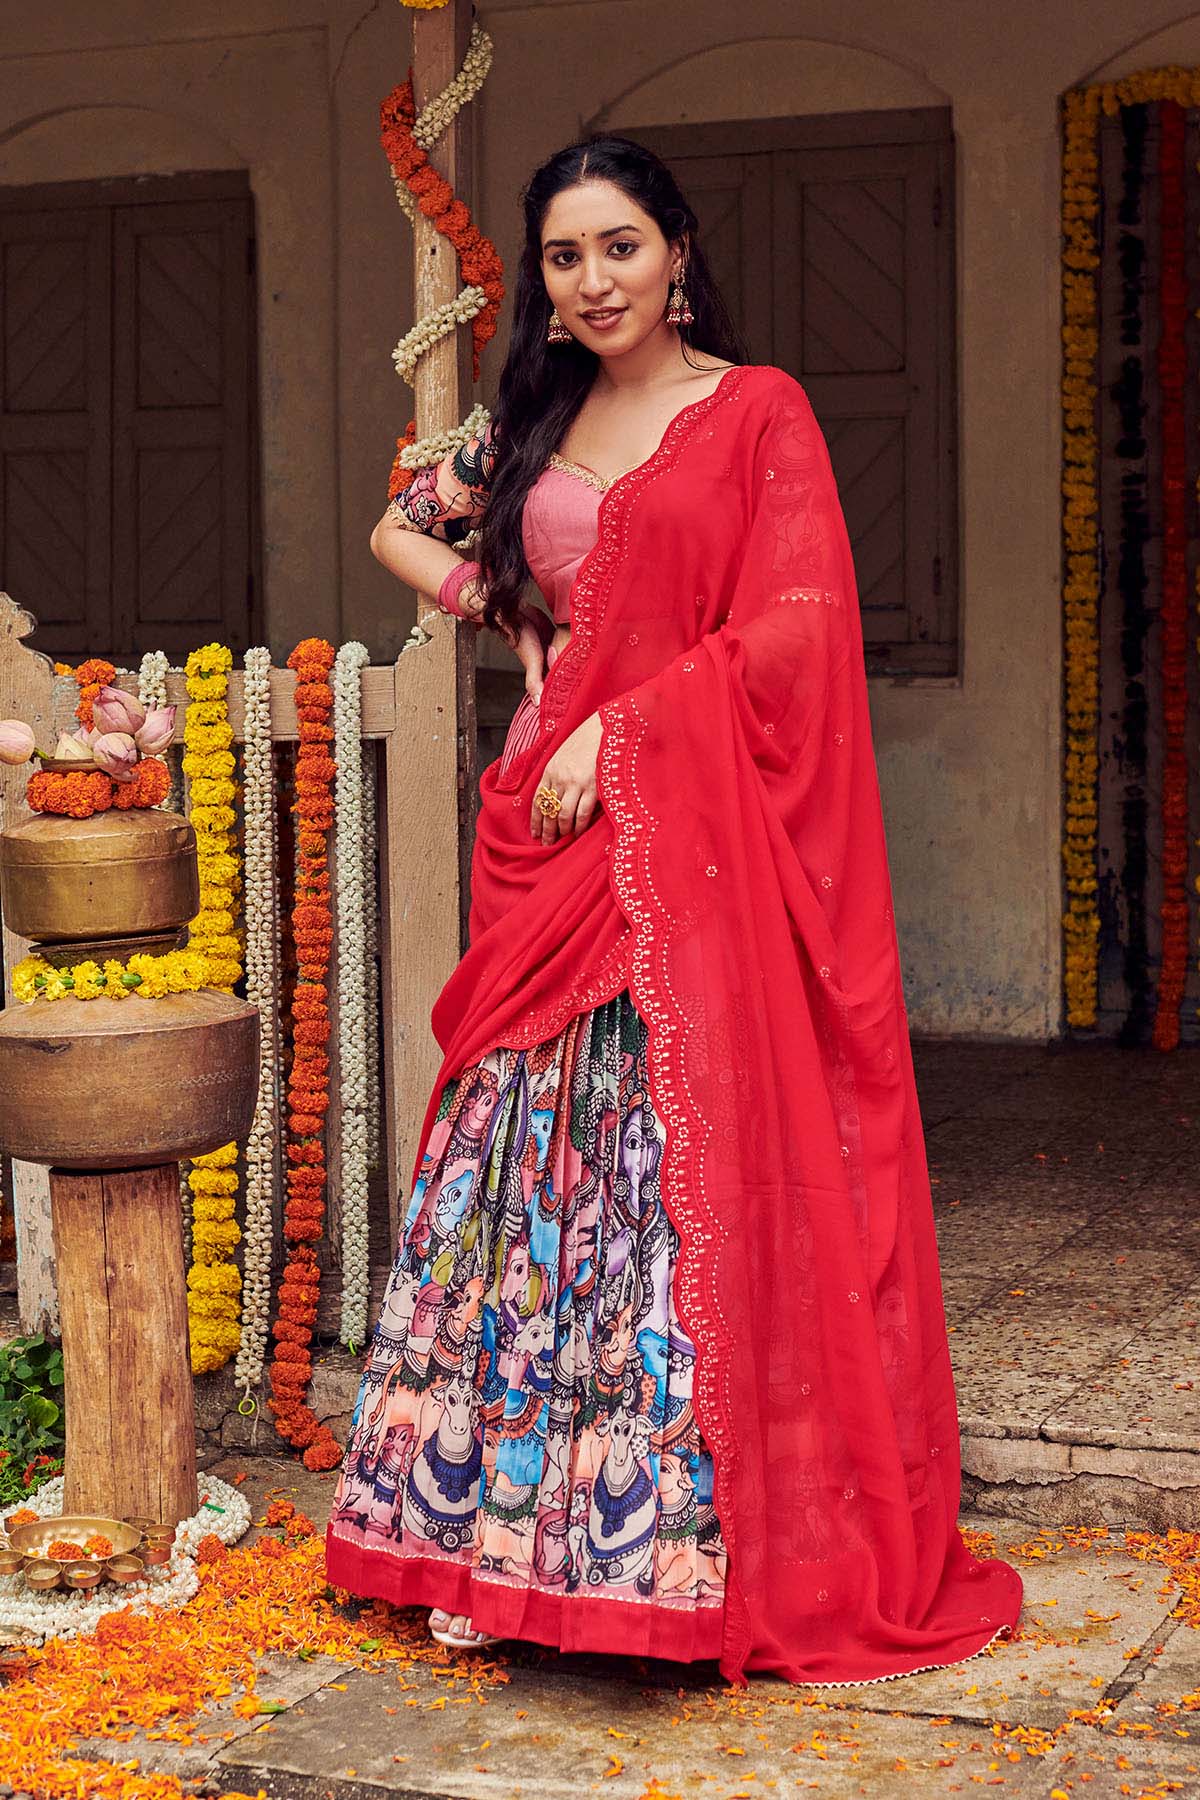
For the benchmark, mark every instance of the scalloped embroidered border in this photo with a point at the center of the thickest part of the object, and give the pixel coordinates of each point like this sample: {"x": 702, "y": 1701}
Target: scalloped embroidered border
{"x": 604, "y": 559}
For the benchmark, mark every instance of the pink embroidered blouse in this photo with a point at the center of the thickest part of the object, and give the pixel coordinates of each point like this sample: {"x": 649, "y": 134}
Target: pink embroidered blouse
{"x": 559, "y": 525}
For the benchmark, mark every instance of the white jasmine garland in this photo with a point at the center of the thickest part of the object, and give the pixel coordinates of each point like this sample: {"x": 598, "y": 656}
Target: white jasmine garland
{"x": 353, "y": 1087}
{"x": 429, "y": 450}
{"x": 32, "y": 1618}
{"x": 261, "y": 908}
{"x": 153, "y": 670}
{"x": 435, "y": 119}
{"x": 439, "y": 323}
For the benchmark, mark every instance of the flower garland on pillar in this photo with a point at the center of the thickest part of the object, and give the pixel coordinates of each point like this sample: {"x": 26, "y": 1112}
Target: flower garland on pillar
{"x": 1129, "y": 398}
{"x": 352, "y": 987}
{"x": 407, "y": 138}
{"x": 1172, "y": 375}
{"x": 214, "y": 1283}
{"x": 1081, "y": 550}
{"x": 308, "y": 1085}
{"x": 262, "y": 990}
{"x": 371, "y": 909}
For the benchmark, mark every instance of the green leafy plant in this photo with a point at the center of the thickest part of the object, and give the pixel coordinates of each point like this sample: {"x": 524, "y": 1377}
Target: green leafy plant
{"x": 31, "y": 1415}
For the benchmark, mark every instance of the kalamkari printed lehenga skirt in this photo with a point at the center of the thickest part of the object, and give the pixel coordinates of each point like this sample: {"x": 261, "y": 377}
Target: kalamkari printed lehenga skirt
{"x": 524, "y": 1448}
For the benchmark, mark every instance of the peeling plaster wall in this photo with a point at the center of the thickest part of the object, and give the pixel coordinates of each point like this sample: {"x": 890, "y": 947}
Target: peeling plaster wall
{"x": 289, "y": 90}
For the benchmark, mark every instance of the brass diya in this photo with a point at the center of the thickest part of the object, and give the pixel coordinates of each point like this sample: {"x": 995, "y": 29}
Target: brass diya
{"x": 154, "y": 1553}
{"x": 35, "y": 1540}
{"x": 83, "y": 1575}
{"x": 11, "y": 1562}
{"x": 43, "y": 1577}
{"x": 124, "y": 1568}
{"x": 115, "y": 874}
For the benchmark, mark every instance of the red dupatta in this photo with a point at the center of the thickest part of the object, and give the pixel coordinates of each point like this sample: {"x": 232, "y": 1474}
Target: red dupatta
{"x": 737, "y": 882}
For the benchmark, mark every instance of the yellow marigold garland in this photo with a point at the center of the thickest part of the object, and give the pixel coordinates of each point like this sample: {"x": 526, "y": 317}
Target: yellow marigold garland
{"x": 178, "y": 972}
{"x": 214, "y": 1283}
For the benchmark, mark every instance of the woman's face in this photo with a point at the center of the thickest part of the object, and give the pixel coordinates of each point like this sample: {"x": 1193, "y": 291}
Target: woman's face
{"x": 607, "y": 267}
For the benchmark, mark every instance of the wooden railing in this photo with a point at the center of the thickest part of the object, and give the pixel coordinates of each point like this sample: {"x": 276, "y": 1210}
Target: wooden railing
{"x": 425, "y": 786}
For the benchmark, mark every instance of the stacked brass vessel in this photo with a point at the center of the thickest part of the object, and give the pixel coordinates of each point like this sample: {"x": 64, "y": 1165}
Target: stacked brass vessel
{"x": 101, "y": 1085}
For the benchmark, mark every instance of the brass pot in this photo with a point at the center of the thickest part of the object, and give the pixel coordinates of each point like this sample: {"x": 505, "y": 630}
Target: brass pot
{"x": 117, "y": 874}
{"x": 126, "y": 1084}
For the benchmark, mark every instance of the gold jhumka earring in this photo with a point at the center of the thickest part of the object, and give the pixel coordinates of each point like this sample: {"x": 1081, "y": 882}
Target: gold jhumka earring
{"x": 557, "y": 332}
{"x": 679, "y": 311}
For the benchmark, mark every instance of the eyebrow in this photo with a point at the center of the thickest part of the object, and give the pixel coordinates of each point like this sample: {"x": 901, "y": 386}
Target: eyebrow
{"x": 569, "y": 243}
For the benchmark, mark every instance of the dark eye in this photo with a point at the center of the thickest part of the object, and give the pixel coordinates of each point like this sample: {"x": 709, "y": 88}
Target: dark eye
{"x": 562, "y": 259}
{"x": 623, "y": 245}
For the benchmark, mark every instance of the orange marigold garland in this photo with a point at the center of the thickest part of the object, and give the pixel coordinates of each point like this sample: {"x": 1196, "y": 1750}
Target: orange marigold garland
{"x": 308, "y": 1082}
{"x": 478, "y": 259}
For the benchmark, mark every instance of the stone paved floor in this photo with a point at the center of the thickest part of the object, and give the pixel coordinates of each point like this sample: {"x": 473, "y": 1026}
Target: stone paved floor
{"x": 1097, "y": 1641}
{"x": 1067, "y": 1193}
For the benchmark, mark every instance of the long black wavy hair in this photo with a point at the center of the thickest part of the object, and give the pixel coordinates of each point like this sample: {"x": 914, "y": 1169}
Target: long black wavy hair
{"x": 543, "y": 386}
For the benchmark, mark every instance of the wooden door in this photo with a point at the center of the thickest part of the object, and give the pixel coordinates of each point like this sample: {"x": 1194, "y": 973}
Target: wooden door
{"x": 831, "y": 239}
{"x": 127, "y": 431}
{"x": 56, "y": 423}
{"x": 859, "y": 321}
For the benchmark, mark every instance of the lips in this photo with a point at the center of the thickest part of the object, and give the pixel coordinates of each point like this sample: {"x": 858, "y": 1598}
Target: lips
{"x": 605, "y": 315}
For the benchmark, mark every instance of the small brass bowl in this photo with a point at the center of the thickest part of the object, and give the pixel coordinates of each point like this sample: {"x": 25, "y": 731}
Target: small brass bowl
{"x": 124, "y": 1568}
{"x": 83, "y": 1574}
{"x": 153, "y": 1554}
{"x": 11, "y": 1562}
{"x": 42, "y": 1576}
{"x": 158, "y": 1534}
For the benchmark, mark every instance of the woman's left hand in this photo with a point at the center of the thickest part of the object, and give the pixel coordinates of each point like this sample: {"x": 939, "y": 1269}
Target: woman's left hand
{"x": 571, "y": 772}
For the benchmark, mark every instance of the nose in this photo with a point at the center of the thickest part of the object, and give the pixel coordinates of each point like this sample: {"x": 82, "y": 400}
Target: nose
{"x": 595, "y": 282}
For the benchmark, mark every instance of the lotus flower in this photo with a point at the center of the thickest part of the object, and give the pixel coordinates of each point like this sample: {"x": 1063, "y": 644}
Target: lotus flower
{"x": 16, "y": 741}
{"x": 69, "y": 749}
{"x": 115, "y": 710}
{"x": 156, "y": 730}
{"x": 116, "y": 753}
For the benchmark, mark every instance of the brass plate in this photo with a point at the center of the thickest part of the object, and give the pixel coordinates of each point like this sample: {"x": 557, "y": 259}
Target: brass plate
{"x": 35, "y": 1540}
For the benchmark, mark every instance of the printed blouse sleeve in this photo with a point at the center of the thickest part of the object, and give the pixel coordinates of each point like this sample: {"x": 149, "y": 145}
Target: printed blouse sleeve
{"x": 447, "y": 499}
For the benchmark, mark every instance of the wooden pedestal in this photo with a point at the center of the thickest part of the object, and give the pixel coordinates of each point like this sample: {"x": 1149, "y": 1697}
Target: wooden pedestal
{"x": 131, "y": 1434}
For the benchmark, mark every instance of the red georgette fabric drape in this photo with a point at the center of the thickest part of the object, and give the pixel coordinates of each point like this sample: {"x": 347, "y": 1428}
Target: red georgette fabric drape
{"x": 737, "y": 881}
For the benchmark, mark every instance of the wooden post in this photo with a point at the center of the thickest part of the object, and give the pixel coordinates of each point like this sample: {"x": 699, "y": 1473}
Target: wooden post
{"x": 131, "y": 1431}
{"x": 26, "y": 692}
{"x": 430, "y": 760}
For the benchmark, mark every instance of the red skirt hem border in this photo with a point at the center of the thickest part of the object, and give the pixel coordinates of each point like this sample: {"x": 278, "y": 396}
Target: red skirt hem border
{"x": 580, "y": 1622}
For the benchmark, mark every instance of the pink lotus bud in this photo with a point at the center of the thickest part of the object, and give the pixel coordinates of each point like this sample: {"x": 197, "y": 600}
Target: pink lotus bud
{"x": 69, "y": 749}
{"x": 116, "y": 753}
{"x": 156, "y": 730}
{"x": 16, "y": 741}
{"x": 115, "y": 710}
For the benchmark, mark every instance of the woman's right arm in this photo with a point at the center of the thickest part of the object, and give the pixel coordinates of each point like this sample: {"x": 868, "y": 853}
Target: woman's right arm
{"x": 438, "y": 508}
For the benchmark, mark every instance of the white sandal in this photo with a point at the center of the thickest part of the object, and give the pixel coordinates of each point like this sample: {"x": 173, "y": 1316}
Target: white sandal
{"x": 468, "y": 1639}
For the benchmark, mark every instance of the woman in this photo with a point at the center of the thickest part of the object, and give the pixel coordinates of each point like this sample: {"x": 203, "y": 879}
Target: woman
{"x": 662, "y": 1366}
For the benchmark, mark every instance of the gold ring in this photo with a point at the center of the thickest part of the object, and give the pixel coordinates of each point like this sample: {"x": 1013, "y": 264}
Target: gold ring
{"x": 548, "y": 802}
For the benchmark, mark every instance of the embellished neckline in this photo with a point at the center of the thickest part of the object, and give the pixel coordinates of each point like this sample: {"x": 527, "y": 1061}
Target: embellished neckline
{"x": 602, "y": 483}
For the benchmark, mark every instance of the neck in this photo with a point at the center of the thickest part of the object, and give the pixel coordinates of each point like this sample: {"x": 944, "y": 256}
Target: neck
{"x": 656, "y": 360}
